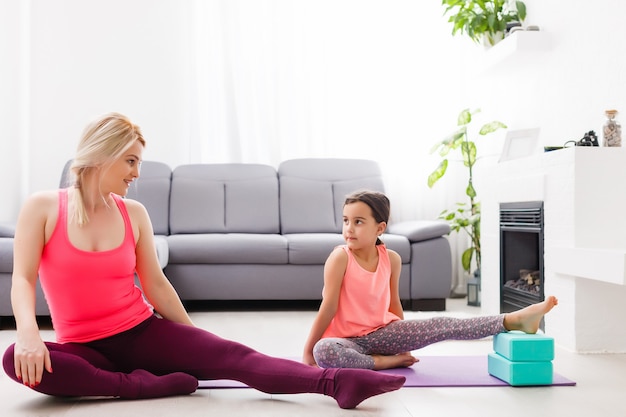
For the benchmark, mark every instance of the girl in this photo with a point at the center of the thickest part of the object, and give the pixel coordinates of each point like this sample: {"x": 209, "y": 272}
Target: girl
{"x": 360, "y": 323}
{"x": 86, "y": 244}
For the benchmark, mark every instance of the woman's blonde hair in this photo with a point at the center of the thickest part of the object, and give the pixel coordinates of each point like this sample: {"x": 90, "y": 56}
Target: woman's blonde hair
{"x": 103, "y": 142}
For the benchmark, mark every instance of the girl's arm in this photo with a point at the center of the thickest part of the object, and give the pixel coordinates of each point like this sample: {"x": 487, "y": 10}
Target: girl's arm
{"x": 31, "y": 355}
{"x": 395, "y": 305}
{"x": 334, "y": 269}
{"x": 155, "y": 285}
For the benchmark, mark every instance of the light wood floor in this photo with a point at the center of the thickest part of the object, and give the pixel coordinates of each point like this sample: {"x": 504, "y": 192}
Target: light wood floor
{"x": 600, "y": 390}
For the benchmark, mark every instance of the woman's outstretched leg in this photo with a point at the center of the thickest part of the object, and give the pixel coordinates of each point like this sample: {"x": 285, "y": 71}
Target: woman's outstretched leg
{"x": 349, "y": 387}
{"x": 162, "y": 347}
{"x": 79, "y": 372}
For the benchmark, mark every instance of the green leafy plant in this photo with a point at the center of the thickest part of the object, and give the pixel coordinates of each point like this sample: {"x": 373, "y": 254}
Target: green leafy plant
{"x": 483, "y": 18}
{"x": 466, "y": 215}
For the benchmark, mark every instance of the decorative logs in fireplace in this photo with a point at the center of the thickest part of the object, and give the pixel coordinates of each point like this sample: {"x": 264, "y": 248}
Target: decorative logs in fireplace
{"x": 529, "y": 281}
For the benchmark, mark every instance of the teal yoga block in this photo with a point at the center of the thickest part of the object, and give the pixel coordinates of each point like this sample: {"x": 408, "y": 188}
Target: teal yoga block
{"x": 522, "y": 347}
{"x": 520, "y": 373}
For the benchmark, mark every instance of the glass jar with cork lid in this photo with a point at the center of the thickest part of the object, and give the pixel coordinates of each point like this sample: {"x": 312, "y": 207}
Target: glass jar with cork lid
{"x": 612, "y": 130}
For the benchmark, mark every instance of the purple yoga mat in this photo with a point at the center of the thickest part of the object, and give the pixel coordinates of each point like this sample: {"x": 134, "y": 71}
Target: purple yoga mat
{"x": 432, "y": 371}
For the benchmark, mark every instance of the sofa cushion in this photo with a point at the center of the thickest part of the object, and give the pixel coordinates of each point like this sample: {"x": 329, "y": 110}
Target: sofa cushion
{"x": 312, "y": 248}
{"x": 227, "y": 248}
{"x": 313, "y": 190}
{"x": 224, "y": 198}
{"x": 152, "y": 189}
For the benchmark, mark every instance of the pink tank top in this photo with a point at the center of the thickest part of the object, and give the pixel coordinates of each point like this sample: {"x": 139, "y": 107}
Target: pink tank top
{"x": 364, "y": 298}
{"x": 91, "y": 295}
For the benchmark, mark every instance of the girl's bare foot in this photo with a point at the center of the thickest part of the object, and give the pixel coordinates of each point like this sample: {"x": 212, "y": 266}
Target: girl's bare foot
{"x": 401, "y": 360}
{"x": 529, "y": 318}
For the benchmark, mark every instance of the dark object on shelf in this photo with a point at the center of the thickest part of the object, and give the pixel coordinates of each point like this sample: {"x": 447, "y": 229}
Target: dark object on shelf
{"x": 590, "y": 139}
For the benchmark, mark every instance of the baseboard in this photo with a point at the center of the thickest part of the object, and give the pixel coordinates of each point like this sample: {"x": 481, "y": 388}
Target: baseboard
{"x": 429, "y": 304}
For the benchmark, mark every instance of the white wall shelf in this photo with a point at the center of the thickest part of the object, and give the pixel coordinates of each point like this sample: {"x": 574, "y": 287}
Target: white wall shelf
{"x": 520, "y": 47}
{"x": 602, "y": 265}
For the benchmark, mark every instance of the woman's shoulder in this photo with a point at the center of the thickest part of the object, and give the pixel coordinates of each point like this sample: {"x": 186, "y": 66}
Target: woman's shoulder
{"x": 134, "y": 206}
{"x": 136, "y": 211}
{"x": 43, "y": 199}
{"x": 40, "y": 206}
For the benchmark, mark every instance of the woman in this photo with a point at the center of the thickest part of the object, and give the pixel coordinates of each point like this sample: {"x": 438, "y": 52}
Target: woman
{"x": 85, "y": 243}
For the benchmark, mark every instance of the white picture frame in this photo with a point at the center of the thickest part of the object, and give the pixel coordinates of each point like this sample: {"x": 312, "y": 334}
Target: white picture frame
{"x": 519, "y": 144}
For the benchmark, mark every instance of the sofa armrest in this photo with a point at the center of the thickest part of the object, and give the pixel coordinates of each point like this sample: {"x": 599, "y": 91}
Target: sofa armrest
{"x": 162, "y": 249}
{"x": 7, "y": 230}
{"x": 420, "y": 230}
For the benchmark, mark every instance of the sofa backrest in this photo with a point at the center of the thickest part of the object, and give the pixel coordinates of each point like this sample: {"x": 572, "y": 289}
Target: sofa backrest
{"x": 152, "y": 189}
{"x": 224, "y": 198}
{"x": 313, "y": 190}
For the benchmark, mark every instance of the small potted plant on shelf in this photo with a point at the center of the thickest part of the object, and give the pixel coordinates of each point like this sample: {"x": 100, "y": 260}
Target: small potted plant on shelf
{"x": 466, "y": 215}
{"x": 484, "y": 21}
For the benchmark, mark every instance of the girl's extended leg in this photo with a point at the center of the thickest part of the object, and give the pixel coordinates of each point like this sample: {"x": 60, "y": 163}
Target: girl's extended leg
{"x": 407, "y": 335}
{"x": 399, "y": 337}
{"x": 386, "y": 347}
{"x": 80, "y": 371}
{"x": 163, "y": 347}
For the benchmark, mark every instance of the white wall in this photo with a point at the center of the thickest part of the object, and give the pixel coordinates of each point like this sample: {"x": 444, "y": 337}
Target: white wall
{"x": 77, "y": 59}
{"x": 10, "y": 103}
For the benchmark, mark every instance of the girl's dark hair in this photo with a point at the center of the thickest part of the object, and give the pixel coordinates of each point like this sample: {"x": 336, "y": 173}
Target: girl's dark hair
{"x": 376, "y": 201}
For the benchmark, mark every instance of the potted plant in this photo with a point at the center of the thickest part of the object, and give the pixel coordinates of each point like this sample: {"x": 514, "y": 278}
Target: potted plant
{"x": 484, "y": 20}
{"x": 466, "y": 215}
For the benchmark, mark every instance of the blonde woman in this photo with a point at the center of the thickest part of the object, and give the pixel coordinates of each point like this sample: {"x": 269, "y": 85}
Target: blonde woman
{"x": 85, "y": 243}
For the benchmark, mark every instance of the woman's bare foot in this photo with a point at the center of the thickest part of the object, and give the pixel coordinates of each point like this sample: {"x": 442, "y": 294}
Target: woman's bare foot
{"x": 401, "y": 360}
{"x": 529, "y": 318}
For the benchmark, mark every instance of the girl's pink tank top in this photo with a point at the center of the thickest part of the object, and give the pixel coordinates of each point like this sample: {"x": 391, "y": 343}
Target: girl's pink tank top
{"x": 364, "y": 298}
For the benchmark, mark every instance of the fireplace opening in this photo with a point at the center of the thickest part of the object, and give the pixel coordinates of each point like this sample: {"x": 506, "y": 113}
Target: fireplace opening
{"x": 521, "y": 255}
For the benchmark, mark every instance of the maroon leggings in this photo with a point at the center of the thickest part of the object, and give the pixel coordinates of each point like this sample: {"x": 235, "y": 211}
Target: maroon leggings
{"x": 162, "y": 347}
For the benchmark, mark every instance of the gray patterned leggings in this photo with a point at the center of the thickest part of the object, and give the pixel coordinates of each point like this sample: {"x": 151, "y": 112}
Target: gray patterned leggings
{"x": 402, "y": 336}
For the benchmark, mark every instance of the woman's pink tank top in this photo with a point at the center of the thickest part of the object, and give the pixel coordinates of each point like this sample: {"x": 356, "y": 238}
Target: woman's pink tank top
{"x": 91, "y": 295}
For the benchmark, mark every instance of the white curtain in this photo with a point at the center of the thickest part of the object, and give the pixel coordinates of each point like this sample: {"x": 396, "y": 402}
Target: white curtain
{"x": 280, "y": 79}
{"x": 260, "y": 77}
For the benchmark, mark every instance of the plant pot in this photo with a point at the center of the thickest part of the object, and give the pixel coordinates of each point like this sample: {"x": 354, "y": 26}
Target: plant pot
{"x": 490, "y": 39}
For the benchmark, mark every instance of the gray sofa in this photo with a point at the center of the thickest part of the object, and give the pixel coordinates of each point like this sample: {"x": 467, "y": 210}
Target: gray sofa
{"x": 254, "y": 232}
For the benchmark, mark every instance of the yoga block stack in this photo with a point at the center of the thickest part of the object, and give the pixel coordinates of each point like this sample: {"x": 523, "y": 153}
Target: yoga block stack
{"x": 522, "y": 359}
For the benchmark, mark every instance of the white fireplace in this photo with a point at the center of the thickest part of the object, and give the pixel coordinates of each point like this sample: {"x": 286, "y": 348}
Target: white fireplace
{"x": 583, "y": 190}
